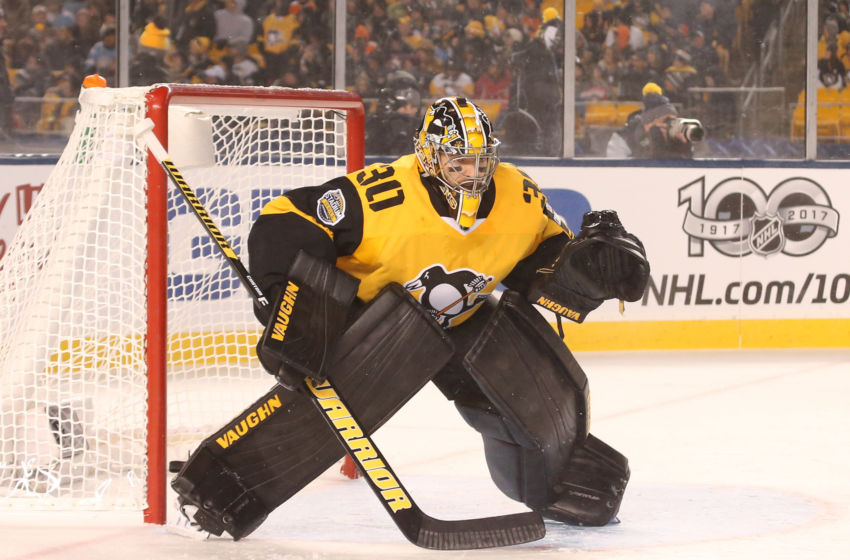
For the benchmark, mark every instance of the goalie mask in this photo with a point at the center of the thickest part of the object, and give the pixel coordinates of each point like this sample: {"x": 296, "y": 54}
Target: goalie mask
{"x": 456, "y": 146}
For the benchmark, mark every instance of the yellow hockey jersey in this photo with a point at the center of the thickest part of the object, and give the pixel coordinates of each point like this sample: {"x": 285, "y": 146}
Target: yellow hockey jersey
{"x": 386, "y": 226}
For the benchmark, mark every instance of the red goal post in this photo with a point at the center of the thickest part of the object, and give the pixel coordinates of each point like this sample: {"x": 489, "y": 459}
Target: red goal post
{"x": 117, "y": 318}
{"x": 159, "y": 100}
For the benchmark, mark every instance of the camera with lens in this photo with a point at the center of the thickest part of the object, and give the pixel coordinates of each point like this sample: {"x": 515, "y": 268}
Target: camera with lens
{"x": 689, "y": 129}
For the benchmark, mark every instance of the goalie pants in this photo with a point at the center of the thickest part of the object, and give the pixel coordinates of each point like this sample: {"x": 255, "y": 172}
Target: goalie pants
{"x": 515, "y": 381}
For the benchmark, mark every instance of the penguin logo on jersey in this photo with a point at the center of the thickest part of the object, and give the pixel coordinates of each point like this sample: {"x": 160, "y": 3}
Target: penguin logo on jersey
{"x": 447, "y": 295}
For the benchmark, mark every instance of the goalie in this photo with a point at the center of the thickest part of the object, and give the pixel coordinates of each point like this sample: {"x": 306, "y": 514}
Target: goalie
{"x": 383, "y": 280}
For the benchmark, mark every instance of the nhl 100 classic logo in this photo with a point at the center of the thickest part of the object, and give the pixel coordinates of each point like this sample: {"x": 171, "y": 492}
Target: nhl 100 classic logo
{"x": 737, "y": 217}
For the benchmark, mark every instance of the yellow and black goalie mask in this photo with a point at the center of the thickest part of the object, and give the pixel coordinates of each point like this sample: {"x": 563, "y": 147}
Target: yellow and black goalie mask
{"x": 455, "y": 145}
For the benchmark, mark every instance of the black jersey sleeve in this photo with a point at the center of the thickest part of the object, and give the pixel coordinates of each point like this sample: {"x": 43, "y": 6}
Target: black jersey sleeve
{"x": 299, "y": 220}
{"x": 525, "y": 271}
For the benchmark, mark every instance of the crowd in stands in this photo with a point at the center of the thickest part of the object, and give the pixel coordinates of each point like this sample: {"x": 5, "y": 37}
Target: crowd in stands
{"x": 498, "y": 51}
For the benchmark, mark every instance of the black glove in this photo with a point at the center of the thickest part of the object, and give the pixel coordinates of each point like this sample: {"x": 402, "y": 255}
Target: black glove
{"x": 602, "y": 262}
{"x": 605, "y": 261}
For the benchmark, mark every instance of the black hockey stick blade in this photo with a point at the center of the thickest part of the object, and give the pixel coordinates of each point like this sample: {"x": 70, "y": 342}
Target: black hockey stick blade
{"x": 504, "y": 530}
{"x": 419, "y": 528}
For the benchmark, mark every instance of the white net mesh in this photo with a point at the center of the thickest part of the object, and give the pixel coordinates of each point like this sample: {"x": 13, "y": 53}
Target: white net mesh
{"x": 73, "y": 372}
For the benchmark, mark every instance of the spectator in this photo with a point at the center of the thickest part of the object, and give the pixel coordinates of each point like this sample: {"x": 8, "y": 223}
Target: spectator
{"x": 146, "y": 69}
{"x": 474, "y": 49}
{"x": 703, "y": 56}
{"x": 540, "y": 71}
{"x": 156, "y": 37}
{"x": 196, "y": 20}
{"x": 679, "y": 76}
{"x": 512, "y": 42}
{"x": 494, "y": 28}
{"x": 58, "y": 15}
{"x": 232, "y": 24}
{"x": 244, "y": 68}
{"x": 145, "y": 10}
{"x": 427, "y": 65}
{"x": 280, "y": 41}
{"x": 495, "y": 83}
{"x": 31, "y": 80}
{"x": 845, "y": 60}
{"x": 594, "y": 29}
{"x": 18, "y": 16}
{"x": 311, "y": 66}
{"x": 718, "y": 22}
{"x": 832, "y": 35}
{"x": 176, "y": 64}
{"x": 59, "y": 106}
{"x": 619, "y": 34}
{"x": 831, "y": 71}
{"x": 636, "y": 36}
{"x": 198, "y": 60}
{"x": 85, "y": 33}
{"x": 475, "y": 11}
{"x": 598, "y": 88}
{"x": 38, "y": 23}
{"x": 408, "y": 34}
{"x": 452, "y": 81}
{"x": 842, "y": 14}
{"x": 647, "y": 133}
{"x": 7, "y": 97}
{"x": 390, "y": 129}
{"x": 317, "y": 66}
{"x": 634, "y": 76}
{"x": 219, "y": 73}
{"x": 60, "y": 50}
{"x": 101, "y": 57}
{"x": 21, "y": 49}
{"x": 666, "y": 24}
{"x": 610, "y": 63}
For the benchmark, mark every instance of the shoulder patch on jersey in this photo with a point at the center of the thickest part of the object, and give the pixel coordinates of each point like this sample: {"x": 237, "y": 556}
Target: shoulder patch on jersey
{"x": 330, "y": 208}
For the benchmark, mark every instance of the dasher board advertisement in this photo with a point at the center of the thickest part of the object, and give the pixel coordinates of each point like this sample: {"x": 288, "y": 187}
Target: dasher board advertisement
{"x": 739, "y": 258}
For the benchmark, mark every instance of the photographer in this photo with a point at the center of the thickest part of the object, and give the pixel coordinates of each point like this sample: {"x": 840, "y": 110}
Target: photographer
{"x": 656, "y": 131}
{"x": 390, "y": 128}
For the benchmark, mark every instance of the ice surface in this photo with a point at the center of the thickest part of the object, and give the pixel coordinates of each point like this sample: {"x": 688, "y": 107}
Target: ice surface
{"x": 734, "y": 455}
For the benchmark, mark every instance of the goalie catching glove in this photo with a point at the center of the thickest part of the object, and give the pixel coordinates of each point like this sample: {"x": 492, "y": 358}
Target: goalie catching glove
{"x": 602, "y": 262}
{"x": 306, "y": 320}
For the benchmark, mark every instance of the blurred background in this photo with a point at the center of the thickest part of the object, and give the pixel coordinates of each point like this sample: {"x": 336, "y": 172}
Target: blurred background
{"x": 557, "y": 77}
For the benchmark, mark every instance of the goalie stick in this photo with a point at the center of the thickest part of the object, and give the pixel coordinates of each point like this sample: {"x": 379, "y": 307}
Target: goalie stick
{"x": 418, "y": 527}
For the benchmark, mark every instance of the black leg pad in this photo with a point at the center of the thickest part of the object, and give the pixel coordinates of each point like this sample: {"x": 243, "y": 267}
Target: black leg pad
{"x": 281, "y": 442}
{"x": 592, "y": 485}
{"x": 210, "y": 483}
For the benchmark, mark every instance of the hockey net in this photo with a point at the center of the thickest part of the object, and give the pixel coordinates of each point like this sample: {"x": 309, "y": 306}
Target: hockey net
{"x": 111, "y": 291}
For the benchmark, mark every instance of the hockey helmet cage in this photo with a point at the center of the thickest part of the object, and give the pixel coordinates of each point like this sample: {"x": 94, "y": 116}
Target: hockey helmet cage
{"x": 455, "y": 145}
{"x": 460, "y": 131}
